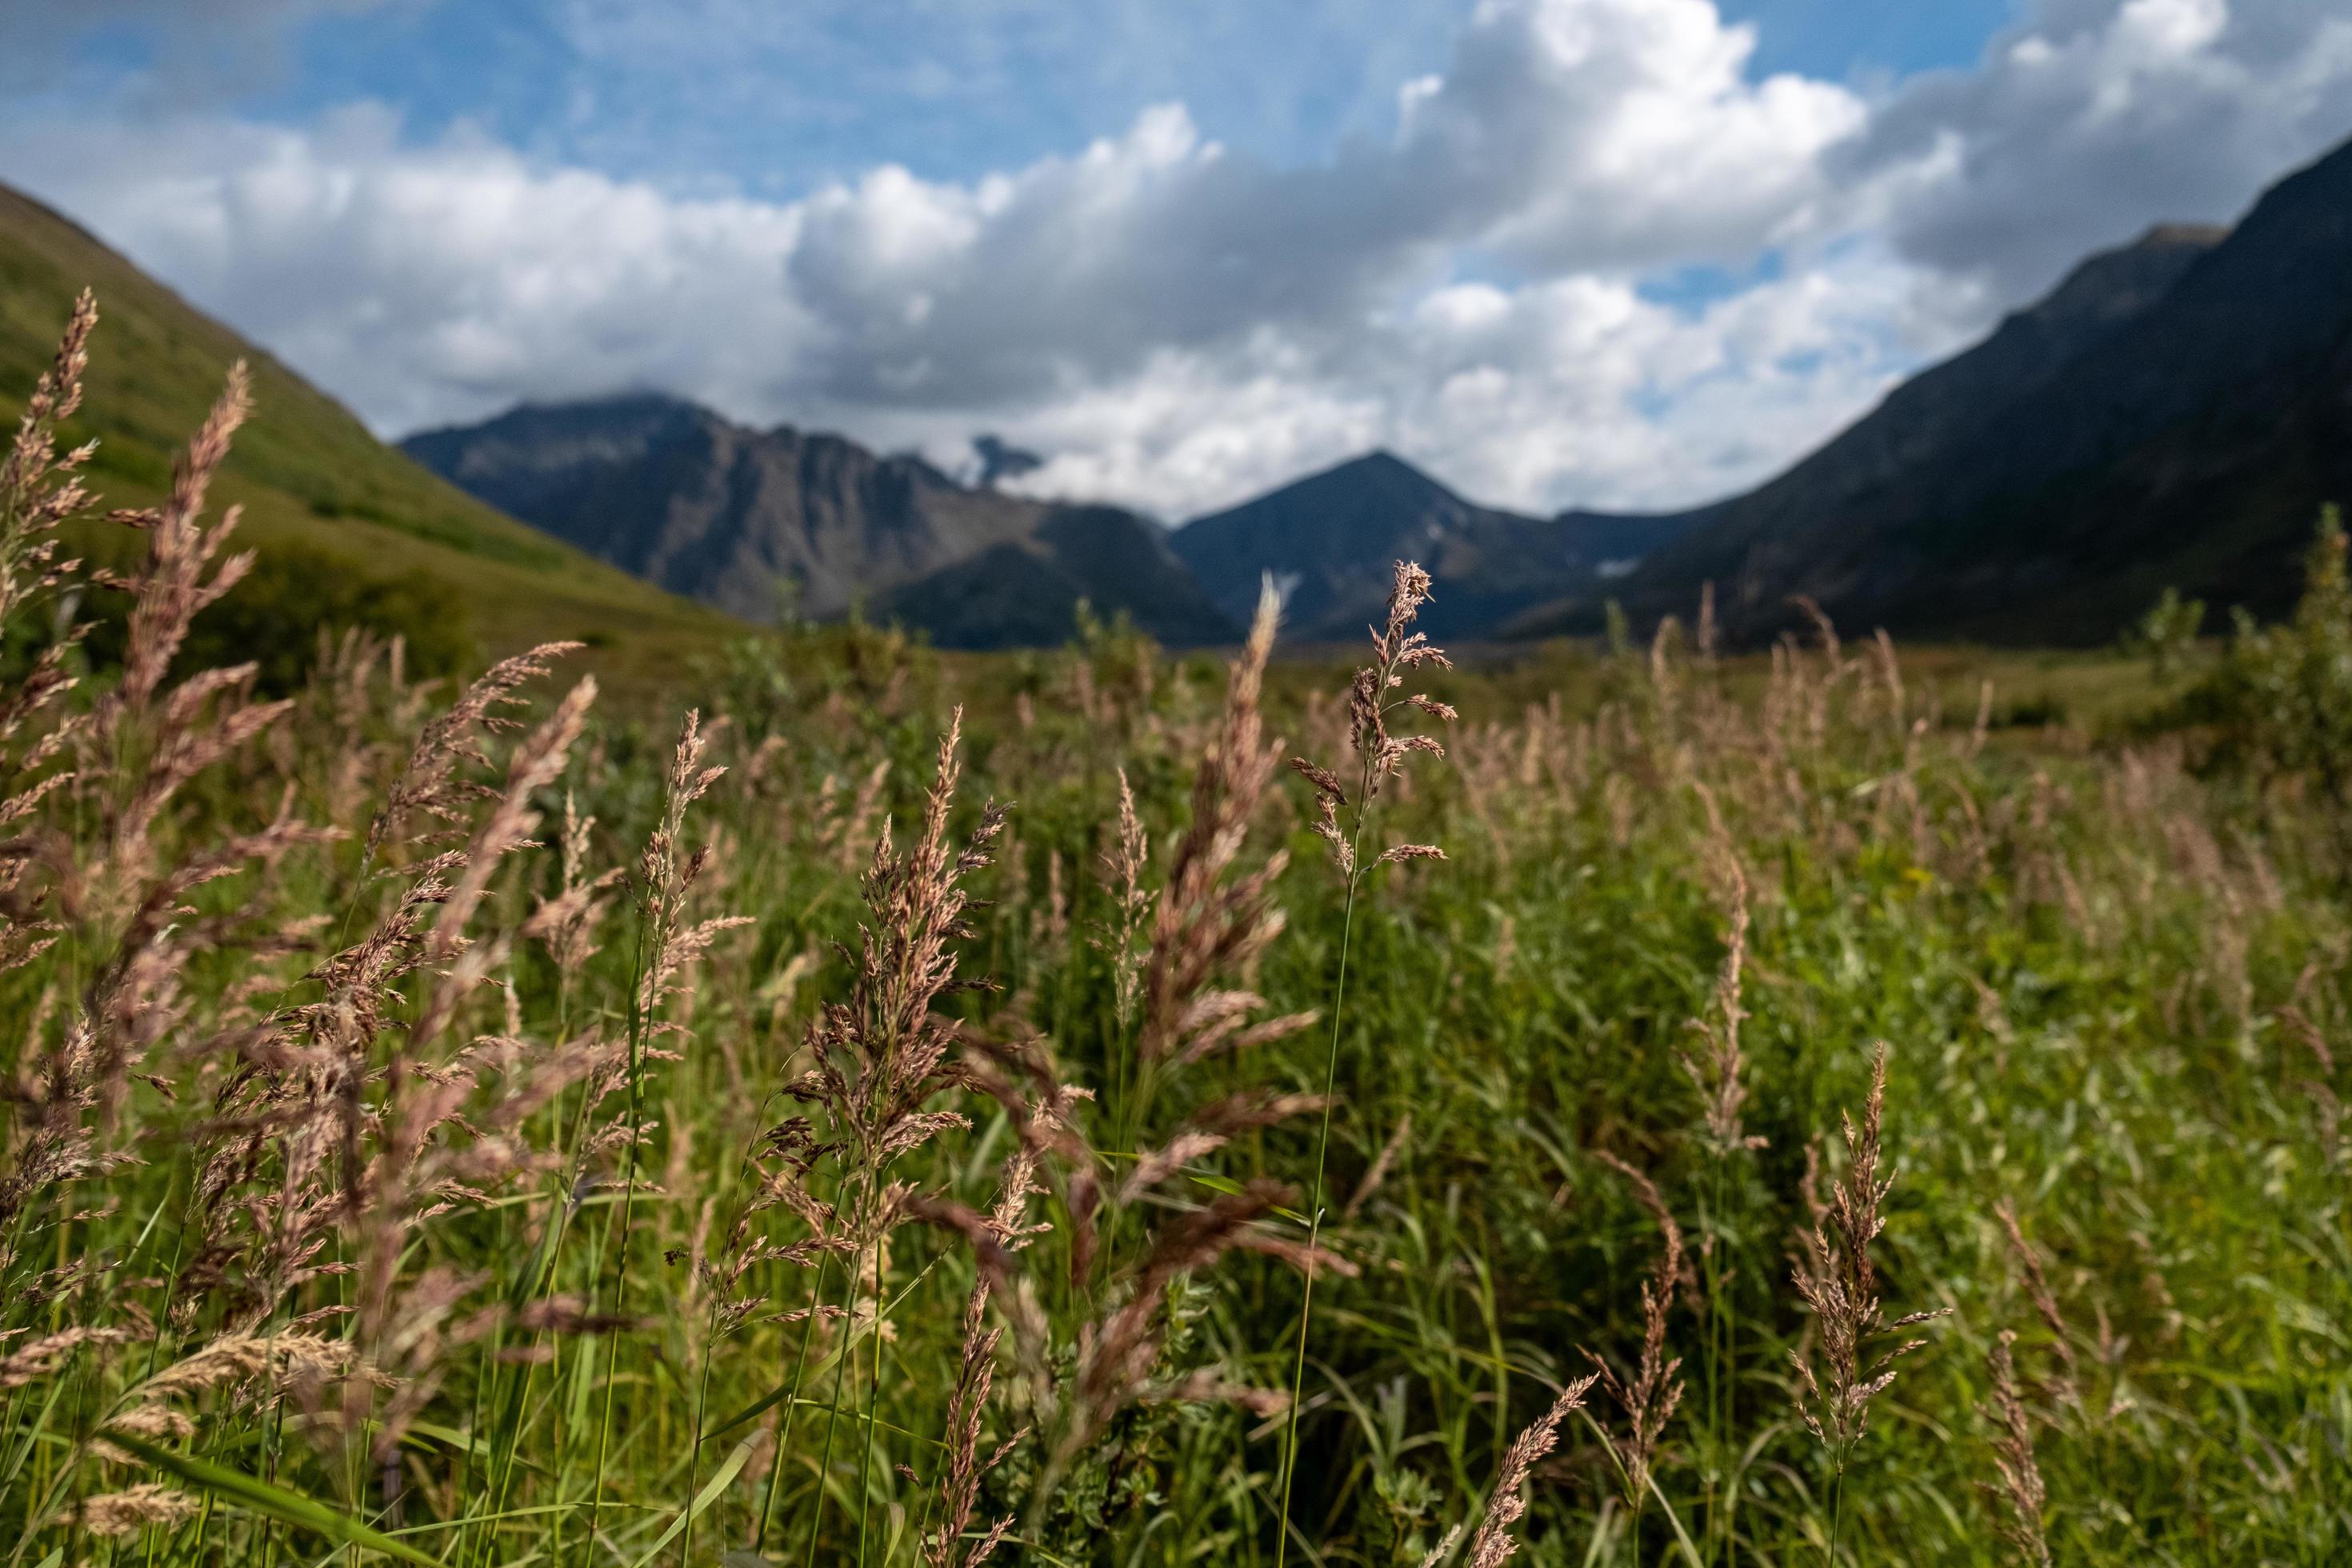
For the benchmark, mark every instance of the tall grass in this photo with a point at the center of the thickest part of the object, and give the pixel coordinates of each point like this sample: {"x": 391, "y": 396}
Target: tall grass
{"x": 913, "y": 1111}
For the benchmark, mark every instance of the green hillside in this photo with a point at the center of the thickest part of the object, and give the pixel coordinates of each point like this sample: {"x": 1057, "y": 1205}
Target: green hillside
{"x": 320, "y": 493}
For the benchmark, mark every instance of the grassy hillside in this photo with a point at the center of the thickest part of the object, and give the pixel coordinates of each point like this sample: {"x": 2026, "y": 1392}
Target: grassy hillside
{"x": 318, "y": 488}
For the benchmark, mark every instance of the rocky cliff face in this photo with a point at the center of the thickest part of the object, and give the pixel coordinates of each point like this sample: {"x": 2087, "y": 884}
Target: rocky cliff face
{"x": 766, "y": 523}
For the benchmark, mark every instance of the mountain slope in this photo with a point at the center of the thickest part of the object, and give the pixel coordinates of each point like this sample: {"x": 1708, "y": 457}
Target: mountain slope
{"x": 311, "y": 478}
{"x": 764, "y": 523}
{"x": 1329, "y": 541}
{"x": 1025, "y": 594}
{"x": 2172, "y": 415}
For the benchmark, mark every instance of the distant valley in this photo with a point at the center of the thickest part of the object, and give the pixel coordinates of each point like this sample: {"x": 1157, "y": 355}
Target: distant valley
{"x": 769, "y": 523}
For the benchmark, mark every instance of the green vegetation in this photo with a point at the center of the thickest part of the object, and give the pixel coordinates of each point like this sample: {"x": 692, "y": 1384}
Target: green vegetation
{"x": 312, "y": 482}
{"x": 2273, "y": 701}
{"x": 878, "y": 1119}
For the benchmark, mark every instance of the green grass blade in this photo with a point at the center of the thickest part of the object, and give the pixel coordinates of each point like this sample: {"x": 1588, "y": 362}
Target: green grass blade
{"x": 1682, "y": 1536}
{"x": 702, "y": 1499}
{"x": 277, "y": 1502}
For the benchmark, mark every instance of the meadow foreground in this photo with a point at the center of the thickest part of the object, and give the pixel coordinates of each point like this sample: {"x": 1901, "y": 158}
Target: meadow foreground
{"x": 900, "y": 1111}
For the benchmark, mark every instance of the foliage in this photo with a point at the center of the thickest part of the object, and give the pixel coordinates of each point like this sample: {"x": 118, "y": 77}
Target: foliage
{"x": 275, "y": 618}
{"x": 2167, "y": 636}
{"x": 450, "y": 1118}
{"x": 2277, "y": 701}
{"x": 308, "y": 477}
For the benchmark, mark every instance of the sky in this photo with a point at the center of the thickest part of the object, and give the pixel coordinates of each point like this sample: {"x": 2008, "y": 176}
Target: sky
{"x": 1620, "y": 253}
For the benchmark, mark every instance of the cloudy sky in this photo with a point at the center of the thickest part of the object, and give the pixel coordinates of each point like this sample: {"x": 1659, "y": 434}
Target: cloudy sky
{"x": 1608, "y": 252}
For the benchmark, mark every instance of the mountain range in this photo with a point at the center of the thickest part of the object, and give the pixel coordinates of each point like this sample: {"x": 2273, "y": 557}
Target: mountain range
{"x": 767, "y": 524}
{"x": 2171, "y": 414}
{"x": 1329, "y": 540}
{"x": 764, "y": 523}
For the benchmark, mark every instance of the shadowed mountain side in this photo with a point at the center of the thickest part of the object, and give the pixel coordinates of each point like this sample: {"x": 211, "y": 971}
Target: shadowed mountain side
{"x": 758, "y": 522}
{"x": 1027, "y": 594}
{"x": 2173, "y": 415}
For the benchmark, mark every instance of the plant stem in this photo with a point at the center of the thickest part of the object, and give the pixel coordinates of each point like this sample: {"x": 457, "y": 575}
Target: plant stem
{"x": 1837, "y": 1511}
{"x": 873, "y": 1393}
{"x": 832, "y": 1407}
{"x": 1315, "y": 1209}
{"x": 628, "y": 1209}
{"x": 702, "y": 1409}
{"x": 1718, "y": 1393}
{"x": 791, "y": 1407}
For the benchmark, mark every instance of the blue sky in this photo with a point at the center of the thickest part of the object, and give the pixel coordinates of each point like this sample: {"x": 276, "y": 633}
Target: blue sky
{"x": 790, "y": 96}
{"x": 1629, "y": 252}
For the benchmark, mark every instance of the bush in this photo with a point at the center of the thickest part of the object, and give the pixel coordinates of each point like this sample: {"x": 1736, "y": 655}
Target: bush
{"x": 275, "y": 617}
{"x": 2167, "y": 636}
{"x": 2278, "y": 702}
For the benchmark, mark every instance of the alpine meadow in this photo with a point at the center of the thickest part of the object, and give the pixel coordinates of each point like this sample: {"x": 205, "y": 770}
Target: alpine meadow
{"x": 1103, "y": 1106}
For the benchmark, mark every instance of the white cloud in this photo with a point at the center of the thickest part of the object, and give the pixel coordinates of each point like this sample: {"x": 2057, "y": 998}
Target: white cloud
{"x": 446, "y": 282}
{"x": 1627, "y": 133}
{"x": 1176, "y": 323}
{"x": 2093, "y": 119}
{"x": 1577, "y": 390}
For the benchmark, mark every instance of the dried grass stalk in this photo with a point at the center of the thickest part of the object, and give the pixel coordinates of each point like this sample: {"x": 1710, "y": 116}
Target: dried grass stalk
{"x": 2022, "y": 1489}
{"x": 1836, "y": 1279}
{"x": 1508, "y": 1503}
{"x": 1650, "y": 1396}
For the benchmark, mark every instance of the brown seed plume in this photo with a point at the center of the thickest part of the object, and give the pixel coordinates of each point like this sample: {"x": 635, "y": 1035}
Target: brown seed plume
{"x": 1209, "y": 920}
{"x": 1650, "y": 1396}
{"x": 1508, "y": 1503}
{"x": 2045, "y": 1302}
{"x": 2022, "y": 1489}
{"x": 1381, "y": 754}
{"x": 1836, "y": 1278}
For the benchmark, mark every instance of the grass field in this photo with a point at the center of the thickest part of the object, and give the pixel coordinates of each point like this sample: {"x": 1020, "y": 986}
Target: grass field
{"x": 465, "y": 1128}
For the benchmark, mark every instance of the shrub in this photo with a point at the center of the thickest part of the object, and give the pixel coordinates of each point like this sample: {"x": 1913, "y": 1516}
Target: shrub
{"x": 2277, "y": 702}
{"x": 274, "y": 617}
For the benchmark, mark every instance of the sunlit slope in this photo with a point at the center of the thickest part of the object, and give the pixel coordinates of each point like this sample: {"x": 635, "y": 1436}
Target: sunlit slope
{"x": 309, "y": 475}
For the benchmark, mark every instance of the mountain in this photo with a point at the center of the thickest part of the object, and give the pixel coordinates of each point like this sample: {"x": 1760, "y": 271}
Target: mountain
{"x": 2172, "y": 415}
{"x": 1025, "y": 594}
{"x": 322, "y": 498}
{"x": 767, "y": 522}
{"x": 1329, "y": 541}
